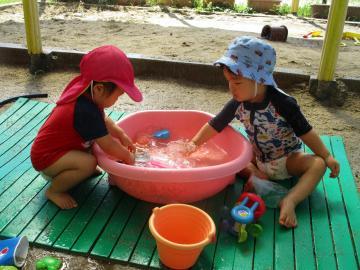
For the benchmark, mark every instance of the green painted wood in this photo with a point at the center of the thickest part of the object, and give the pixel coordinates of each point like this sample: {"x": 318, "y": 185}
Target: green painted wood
{"x": 12, "y": 109}
{"x": 264, "y": 246}
{"x": 17, "y": 115}
{"x": 226, "y": 243}
{"x": 26, "y": 215}
{"x": 10, "y": 212}
{"x": 6, "y": 180}
{"x": 349, "y": 191}
{"x": 11, "y": 136}
{"x": 344, "y": 249}
{"x": 50, "y": 210}
{"x": 69, "y": 236}
{"x": 21, "y": 151}
{"x": 321, "y": 233}
{"x": 215, "y": 210}
{"x": 284, "y": 242}
{"x": 114, "y": 228}
{"x": 155, "y": 261}
{"x": 98, "y": 221}
{"x": 145, "y": 246}
{"x": 304, "y": 249}
{"x": 39, "y": 221}
{"x": 22, "y": 146}
{"x": 59, "y": 223}
{"x": 13, "y": 191}
{"x": 129, "y": 237}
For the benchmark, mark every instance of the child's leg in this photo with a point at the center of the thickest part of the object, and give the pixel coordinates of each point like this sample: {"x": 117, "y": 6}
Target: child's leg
{"x": 309, "y": 169}
{"x": 71, "y": 169}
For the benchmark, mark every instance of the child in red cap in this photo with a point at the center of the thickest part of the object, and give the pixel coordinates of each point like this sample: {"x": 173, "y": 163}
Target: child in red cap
{"x": 60, "y": 151}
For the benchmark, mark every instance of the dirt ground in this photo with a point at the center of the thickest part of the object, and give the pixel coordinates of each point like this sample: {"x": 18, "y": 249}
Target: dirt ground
{"x": 187, "y": 38}
{"x": 175, "y": 34}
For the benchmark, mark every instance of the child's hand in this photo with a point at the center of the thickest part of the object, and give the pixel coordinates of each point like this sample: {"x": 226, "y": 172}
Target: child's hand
{"x": 190, "y": 147}
{"x": 333, "y": 165}
{"x": 126, "y": 141}
{"x": 131, "y": 159}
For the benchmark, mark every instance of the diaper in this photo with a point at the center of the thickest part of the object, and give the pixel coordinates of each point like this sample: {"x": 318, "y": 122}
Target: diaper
{"x": 275, "y": 169}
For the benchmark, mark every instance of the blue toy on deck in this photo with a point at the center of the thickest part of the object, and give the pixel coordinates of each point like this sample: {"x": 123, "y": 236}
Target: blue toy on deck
{"x": 243, "y": 216}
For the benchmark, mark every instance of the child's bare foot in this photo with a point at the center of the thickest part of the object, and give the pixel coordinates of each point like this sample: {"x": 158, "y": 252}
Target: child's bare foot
{"x": 61, "y": 199}
{"x": 287, "y": 213}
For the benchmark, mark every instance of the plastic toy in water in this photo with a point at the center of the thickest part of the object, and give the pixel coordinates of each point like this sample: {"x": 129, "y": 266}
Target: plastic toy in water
{"x": 48, "y": 263}
{"x": 162, "y": 134}
{"x": 243, "y": 216}
{"x": 13, "y": 251}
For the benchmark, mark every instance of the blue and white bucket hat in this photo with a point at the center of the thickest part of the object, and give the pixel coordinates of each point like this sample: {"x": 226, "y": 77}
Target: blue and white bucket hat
{"x": 251, "y": 58}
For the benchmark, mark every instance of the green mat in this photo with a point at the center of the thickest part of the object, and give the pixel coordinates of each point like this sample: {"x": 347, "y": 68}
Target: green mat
{"x": 112, "y": 225}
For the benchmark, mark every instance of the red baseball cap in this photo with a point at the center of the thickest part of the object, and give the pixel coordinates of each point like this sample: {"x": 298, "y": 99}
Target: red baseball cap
{"x": 103, "y": 64}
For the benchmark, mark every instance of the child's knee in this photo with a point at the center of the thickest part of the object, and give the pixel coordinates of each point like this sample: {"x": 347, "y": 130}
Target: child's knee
{"x": 90, "y": 164}
{"x": 319, "y": 164}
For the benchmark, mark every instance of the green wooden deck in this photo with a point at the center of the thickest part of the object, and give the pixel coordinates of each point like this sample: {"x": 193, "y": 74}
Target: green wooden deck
{"x": 111, "y": 225}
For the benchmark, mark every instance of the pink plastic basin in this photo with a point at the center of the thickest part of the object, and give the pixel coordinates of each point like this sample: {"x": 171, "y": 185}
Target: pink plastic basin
{"x": 161, "y": 185}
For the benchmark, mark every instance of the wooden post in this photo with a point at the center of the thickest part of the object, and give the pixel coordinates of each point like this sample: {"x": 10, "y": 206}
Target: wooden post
{"x": 38, "y": 61}
{"x": 294, "y": 7}
{"x": 333, "y": 36}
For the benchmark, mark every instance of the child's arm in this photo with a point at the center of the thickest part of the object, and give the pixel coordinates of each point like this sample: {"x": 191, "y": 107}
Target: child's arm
{"x": 117, "y": 132}
{"x": 114, "y": 148}
{"x": 313, "y": 141}
{"x": 204, "y": 134}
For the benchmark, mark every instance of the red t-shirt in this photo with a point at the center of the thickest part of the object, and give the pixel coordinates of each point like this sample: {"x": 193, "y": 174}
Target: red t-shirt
{"x": 70, "y": 126}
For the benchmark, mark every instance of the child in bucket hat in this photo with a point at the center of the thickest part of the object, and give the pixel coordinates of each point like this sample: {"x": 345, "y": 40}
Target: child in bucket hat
{"x": 61, "y": 149}
{"x": 273, "y": 122}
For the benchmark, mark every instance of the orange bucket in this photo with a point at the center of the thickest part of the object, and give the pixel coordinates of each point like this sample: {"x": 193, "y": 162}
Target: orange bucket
{"x": 181, "y": 232}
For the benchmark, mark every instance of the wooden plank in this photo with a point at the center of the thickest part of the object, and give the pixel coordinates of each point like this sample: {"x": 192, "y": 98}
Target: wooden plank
{"x": 284, "y": 242}
{"x": 17, "y": 115}
{"x": 73, "y": 230}
{"x": 30, "y": 120}
{"x": 264, "y": 245}
{"x": 58, "y": 224}
{"x": 12, "y": 109}
{"x": 128, "y": 239}
{"x": 226, "y": 243}
{"x": 6, "y": 180}
{"x": 12, "y": 192}
{"x": 214, "y": 209}
{"x": 349, "y": 192}
{"x": 114, "y": 227}
{"x": 21, "y": 151}
{"x": 26, "y": 215}
{"x": 49, "y": 211}
{"x": 145, "y": 246}
{"x": 155, "y": 261}
{"x": 322, "y": 236}
{"x": 304, "y": 249}
{"x": 7, "y": 215}
{"x": 344, "y": 249}
{"x": 98, "y": 222}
